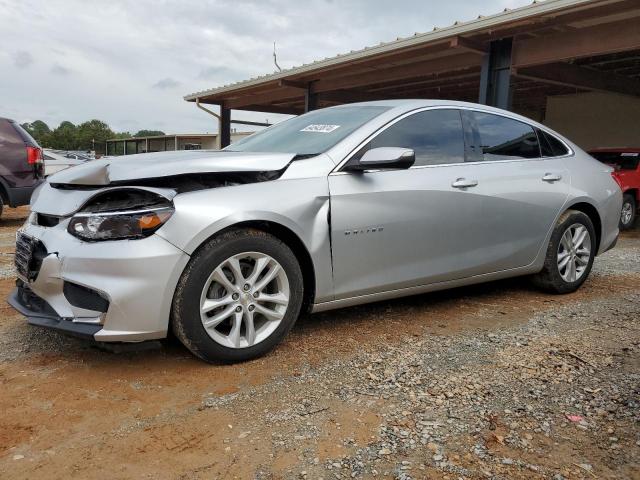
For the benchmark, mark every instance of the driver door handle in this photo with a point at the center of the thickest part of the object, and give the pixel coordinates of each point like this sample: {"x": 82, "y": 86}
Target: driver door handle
{"x": 551, "y": 177}
{"x": 464, "y": 183}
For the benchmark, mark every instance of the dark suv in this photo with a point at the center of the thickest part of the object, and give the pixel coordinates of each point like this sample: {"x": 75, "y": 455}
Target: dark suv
{"x": 21, "y": 164}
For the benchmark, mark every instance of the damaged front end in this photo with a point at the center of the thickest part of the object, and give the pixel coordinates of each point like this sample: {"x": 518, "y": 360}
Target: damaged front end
{"x": 87, "y": 259}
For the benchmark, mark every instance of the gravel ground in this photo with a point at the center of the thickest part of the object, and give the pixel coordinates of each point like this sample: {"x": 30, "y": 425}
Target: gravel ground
{"x": 493, "y": 381}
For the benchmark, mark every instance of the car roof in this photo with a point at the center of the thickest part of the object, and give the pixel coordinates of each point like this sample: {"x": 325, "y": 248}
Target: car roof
{"x": 401, "y": 106}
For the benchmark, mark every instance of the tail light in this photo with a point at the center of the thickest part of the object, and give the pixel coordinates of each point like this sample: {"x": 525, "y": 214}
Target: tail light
{"x": 34, "y": 155}
{"x": 617, "y": 179}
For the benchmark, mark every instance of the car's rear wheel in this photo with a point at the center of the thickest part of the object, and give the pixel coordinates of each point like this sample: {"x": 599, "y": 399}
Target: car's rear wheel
{"x": 238, "y": 297}
{"x": 570, "y": 254}
{"x": 628, "y": 212}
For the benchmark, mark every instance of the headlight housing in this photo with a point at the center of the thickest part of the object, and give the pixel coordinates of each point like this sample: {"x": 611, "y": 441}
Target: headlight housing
{"x": 141, "y": 216}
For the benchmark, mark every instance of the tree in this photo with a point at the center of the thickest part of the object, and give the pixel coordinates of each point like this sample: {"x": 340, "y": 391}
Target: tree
{"x": 38, "y": 130}
{"x": 64, "y": 137}
{"x": 122, "y": 135}
{"x": 90, "y": 135}
{"x": 149, "y": 133}
{"x": 93, "y": 134}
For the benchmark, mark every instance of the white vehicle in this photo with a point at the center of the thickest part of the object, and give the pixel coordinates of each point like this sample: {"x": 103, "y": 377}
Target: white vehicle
{"x": 55, "y": 161}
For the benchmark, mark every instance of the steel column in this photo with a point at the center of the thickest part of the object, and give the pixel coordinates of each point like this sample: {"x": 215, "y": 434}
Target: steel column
{"x": 225, "y": 126}
{"x": 310, "y": 99}
{"x": 495, "y": 77}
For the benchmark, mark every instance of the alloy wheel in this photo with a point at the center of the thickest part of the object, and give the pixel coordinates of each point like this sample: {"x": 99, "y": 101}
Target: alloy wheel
{"x": 574, "y": 252}
{"x": 627, "y": 213}
{"x": 244, "y": 300}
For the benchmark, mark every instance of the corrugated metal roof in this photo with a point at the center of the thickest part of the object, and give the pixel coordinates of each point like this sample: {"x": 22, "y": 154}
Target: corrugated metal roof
{"x": 536, "y": 8}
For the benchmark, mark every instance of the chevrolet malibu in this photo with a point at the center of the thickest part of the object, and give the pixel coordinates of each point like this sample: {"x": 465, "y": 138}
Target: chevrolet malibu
{"x": 340, "y": 206}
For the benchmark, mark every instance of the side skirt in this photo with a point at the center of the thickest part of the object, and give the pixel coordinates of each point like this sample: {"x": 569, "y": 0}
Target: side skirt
{"x": 432, "y": 287}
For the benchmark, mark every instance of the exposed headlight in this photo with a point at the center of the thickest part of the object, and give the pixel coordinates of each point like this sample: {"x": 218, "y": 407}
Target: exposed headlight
{"x": 119, "y": 225}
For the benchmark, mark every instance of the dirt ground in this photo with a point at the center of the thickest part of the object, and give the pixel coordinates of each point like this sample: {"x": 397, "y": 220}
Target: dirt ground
{"x": 493, "y": 381}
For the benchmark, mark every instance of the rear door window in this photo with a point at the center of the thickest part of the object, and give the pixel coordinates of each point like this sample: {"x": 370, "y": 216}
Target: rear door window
{"x": 500, "y": 138}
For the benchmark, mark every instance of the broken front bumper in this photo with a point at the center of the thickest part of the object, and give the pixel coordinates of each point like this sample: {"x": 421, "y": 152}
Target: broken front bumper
{"x": 40, "y": 314}
{"x": 113, "y": 291}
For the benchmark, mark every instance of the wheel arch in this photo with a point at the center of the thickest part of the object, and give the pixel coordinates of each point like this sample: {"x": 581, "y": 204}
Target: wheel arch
{"x": 633, "y": 191}
{"x": 4, "y": 192}
{"x": 293, "y": 241}
{"x": 592, "y": 212}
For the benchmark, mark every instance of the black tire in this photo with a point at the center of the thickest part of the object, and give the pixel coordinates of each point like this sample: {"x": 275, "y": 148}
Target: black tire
{"x": 1, "y": 207}
{"x": 628, "y": 201}
{"x": 550, "y": 278}
{"x": 185, "y": 315}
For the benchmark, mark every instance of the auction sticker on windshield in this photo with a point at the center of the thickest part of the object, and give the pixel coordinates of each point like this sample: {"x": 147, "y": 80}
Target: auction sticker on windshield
{"x": 320, "y": 128}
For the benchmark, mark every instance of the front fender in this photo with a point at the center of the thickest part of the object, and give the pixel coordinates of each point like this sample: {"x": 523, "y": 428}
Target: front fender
{"x": 300, "y": 205}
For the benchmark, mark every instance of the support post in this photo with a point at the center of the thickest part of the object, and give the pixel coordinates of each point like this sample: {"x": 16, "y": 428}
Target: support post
{"x": 310, "y": 99}
{"x": 225, "y": 126}
{"x": 495, "y": 76}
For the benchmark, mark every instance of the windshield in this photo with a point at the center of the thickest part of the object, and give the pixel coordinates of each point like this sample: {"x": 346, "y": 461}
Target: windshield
{"x": 309, "y": 134}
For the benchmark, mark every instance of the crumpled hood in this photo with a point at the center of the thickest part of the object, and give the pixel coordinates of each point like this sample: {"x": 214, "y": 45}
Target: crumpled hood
{"x": 110, "y": 170}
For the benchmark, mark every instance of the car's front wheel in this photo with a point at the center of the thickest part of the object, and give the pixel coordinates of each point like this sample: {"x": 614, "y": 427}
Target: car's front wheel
{"x": 238, "y": 297}
{"x": 628, "y": 212}
{"x": 570, "y": 254}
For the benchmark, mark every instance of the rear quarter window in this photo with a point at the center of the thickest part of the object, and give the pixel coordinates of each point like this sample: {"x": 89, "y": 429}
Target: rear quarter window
{"x": 550, "y": 145}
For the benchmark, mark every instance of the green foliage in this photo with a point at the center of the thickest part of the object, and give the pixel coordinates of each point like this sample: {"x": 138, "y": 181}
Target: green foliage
{"x": 149, "y": 133}
{"x": 64, "y": 137}
{"x": 90, "y": 135}
{"x": 38, "y": 129}
{"x": 93, "y": 135}
{"x": 122, "y": 135}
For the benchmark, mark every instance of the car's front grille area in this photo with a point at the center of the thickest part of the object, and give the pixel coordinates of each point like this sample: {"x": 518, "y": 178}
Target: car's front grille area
{"x": 29, "y": 255}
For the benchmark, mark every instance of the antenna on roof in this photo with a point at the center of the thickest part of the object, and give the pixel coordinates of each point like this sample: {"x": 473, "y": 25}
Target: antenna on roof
{"x": 275, "y": 58}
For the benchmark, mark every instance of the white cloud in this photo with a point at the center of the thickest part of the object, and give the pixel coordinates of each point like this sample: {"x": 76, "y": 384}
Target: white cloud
{"x": 81, "y": 59}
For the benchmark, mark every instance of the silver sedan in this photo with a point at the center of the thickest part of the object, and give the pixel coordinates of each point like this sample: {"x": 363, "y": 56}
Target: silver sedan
{"x": 337, "y": 207}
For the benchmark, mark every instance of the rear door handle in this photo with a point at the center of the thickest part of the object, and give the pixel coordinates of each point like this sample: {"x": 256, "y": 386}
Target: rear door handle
{"x": 464, "y": 183}
{"x": 551, "y": 177}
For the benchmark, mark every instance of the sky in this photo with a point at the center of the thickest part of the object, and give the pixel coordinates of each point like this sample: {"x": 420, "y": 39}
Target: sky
{"x": 129, "y": 63}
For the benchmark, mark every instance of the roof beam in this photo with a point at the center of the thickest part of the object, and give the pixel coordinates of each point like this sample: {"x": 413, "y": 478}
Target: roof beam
{"x": 570, "y": 75}
{"x": 401, "y": 72}
{"x": 585, "y": 42}
{"x": 273, "y": 96}
{"x": 293, "y": 84}
{"x": 349, "y": 96}
{"x": 467, "y": 45}
{"x": 272, "y": 109}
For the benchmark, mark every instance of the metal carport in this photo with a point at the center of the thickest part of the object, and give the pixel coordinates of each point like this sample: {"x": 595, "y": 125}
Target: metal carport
{"x": 518, "y": 59}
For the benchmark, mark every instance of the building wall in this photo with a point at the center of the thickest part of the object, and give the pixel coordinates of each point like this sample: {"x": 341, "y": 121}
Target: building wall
{"x": 204, "y": 142}
{"x": 596, "y": 119}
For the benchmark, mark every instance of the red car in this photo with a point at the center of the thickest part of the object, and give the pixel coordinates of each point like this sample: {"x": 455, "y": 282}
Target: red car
{"x": 626, "y": 162}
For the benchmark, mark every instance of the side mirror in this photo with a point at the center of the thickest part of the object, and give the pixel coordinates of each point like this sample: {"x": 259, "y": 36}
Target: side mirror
{"x": 384, "y": 158}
